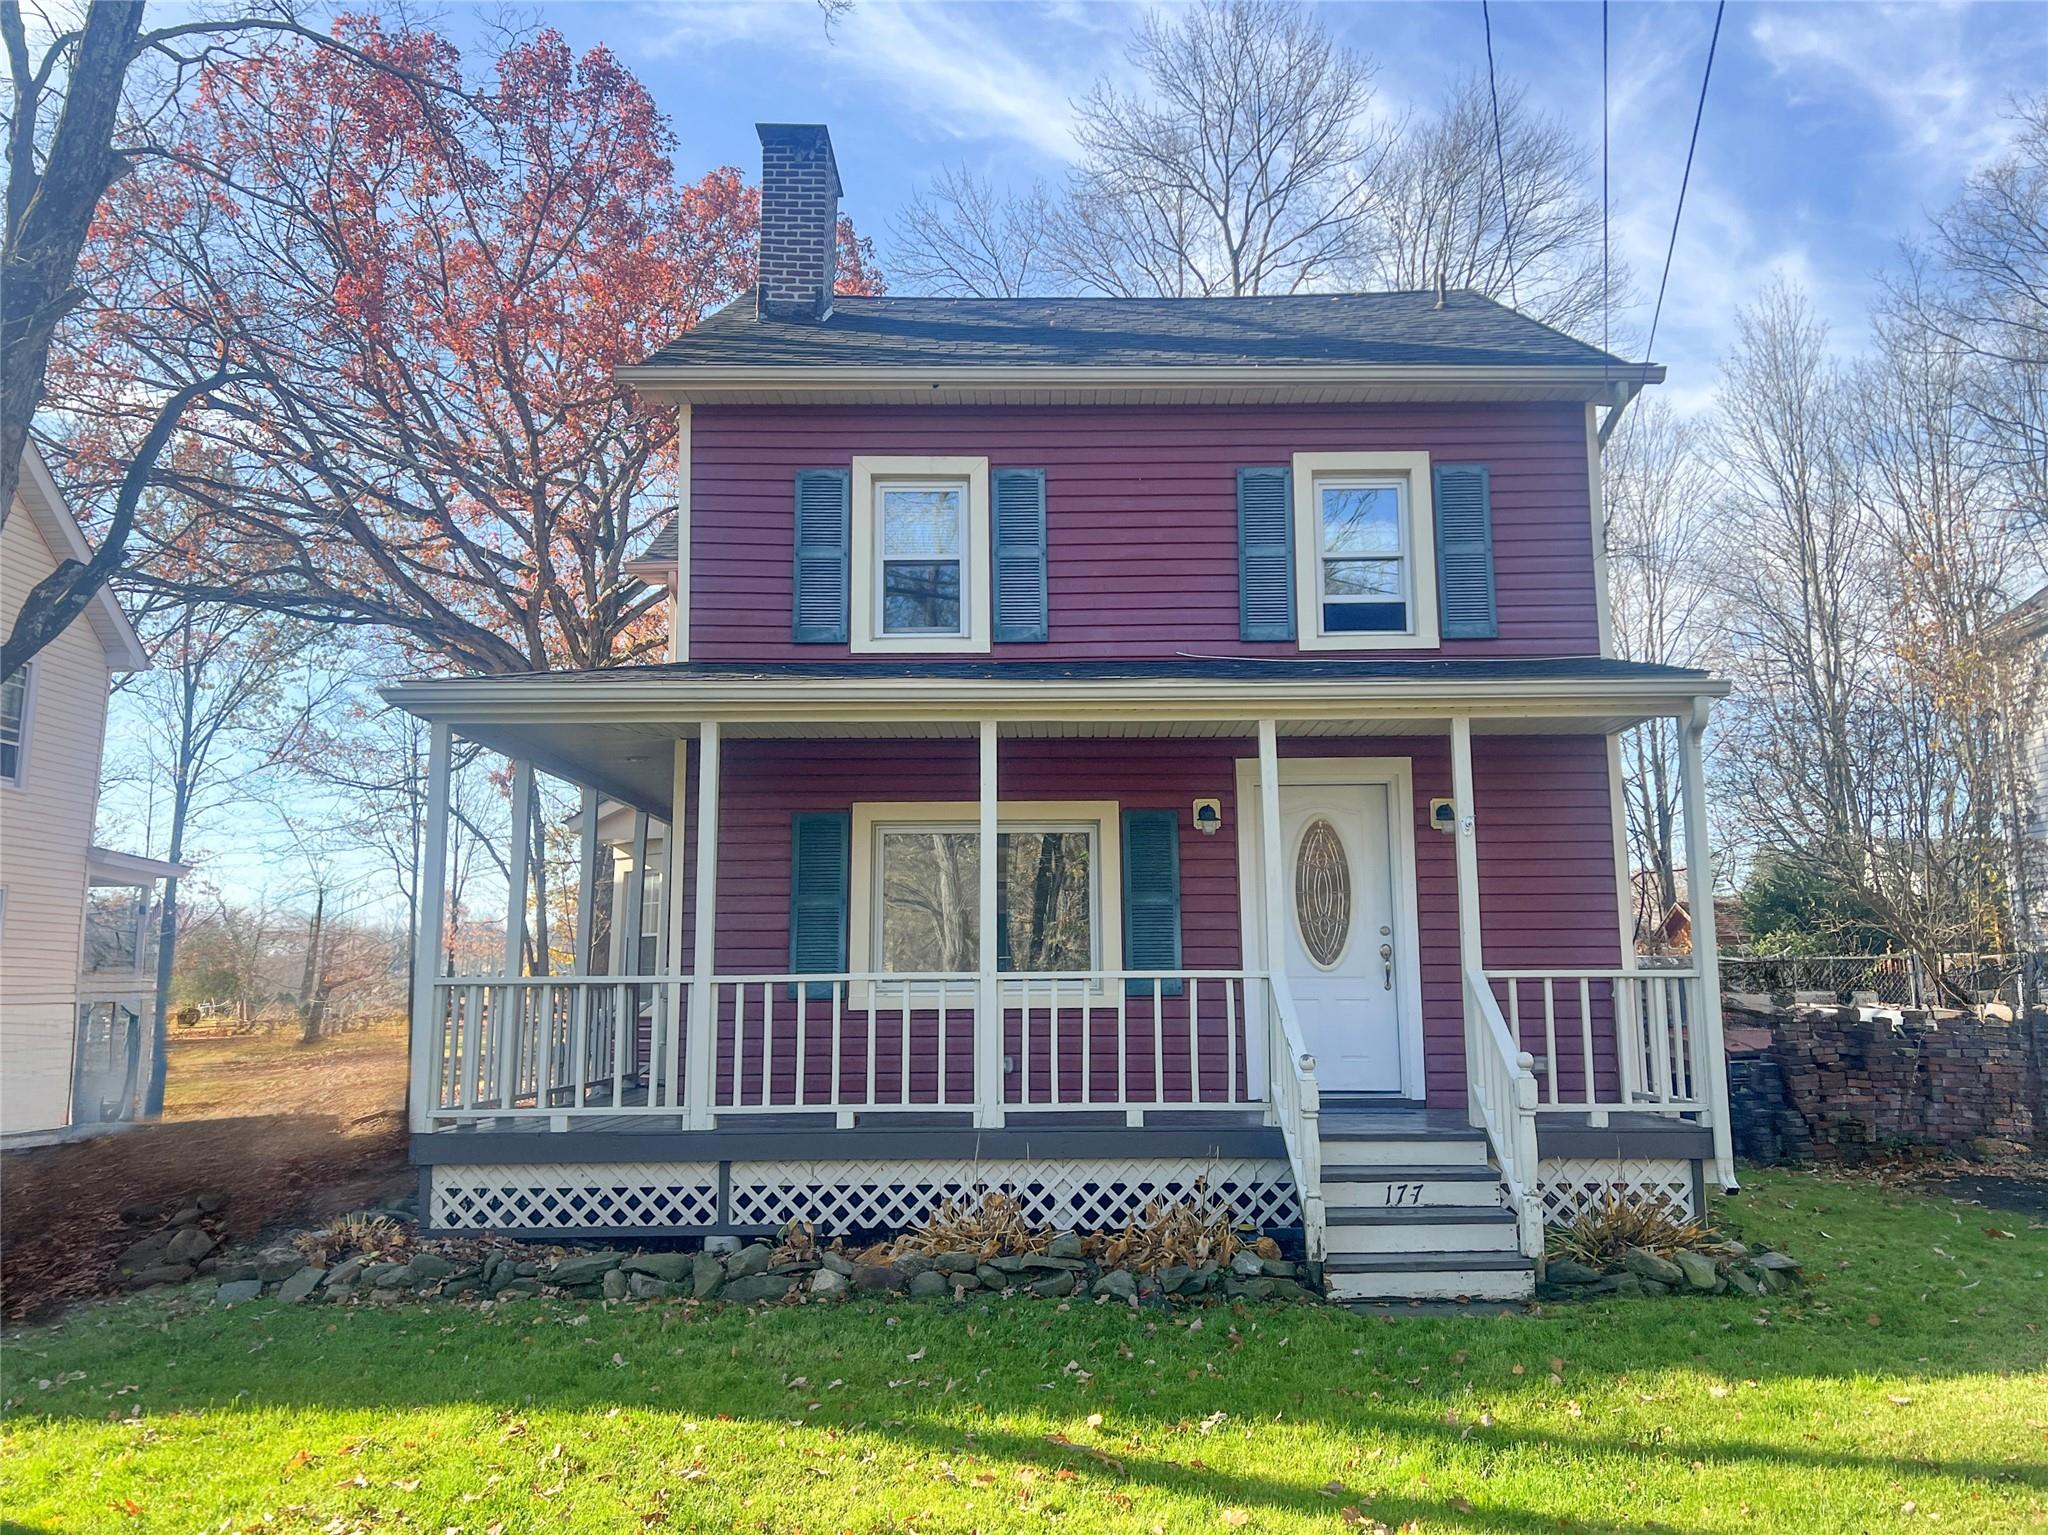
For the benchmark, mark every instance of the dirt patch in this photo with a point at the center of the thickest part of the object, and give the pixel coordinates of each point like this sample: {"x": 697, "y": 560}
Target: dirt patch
{"x": 2024, "y": 1194}
{"x": 288, "y": 1132}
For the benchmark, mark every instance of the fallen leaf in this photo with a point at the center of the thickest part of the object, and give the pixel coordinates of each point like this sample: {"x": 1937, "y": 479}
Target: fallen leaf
{"x": 1235, "y": 1518}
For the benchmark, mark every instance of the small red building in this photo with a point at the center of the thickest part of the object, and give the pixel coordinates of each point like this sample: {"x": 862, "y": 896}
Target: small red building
{"x": 1108, "y": 744}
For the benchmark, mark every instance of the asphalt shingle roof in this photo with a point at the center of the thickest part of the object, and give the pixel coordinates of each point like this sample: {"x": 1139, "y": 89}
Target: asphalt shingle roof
{"x": 1295, "y": 330}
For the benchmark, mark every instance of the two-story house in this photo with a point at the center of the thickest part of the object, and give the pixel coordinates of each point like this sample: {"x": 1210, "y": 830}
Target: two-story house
{"x": 1110, "y": 744}
{"x": 78, "y": 1025}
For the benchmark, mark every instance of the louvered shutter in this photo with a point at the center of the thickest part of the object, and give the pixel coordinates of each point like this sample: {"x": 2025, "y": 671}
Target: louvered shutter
{"x": 1265, "y": 554}
{"x": 1464, "y": 553}
{"x": 1019, "y": 554}
{"x": 824, "y": 535}
{"x": 1151, "y": 847}
{"x": 820, "y": 857}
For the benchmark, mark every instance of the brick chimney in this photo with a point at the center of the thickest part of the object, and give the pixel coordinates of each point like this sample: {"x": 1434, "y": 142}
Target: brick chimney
{"x": 799, "y": 221}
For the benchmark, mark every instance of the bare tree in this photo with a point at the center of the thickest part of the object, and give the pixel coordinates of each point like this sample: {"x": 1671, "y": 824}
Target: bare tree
{"x": 1436, "y": 209}
{"x": 1658, "y": 501}
{"x": 1992, "y": 304}
{"x": 960, "y": 238}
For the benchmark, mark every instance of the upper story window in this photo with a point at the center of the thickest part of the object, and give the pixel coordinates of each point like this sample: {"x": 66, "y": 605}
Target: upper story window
{"x": 14, "y": 725}
{"x": 924, "y": 540}
{"x": 920, "y": 566}
{"x": 1365, "y": 551}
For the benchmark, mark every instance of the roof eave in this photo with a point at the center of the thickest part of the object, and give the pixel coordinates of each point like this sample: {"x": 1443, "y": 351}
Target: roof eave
{"x": 715, "y": 383}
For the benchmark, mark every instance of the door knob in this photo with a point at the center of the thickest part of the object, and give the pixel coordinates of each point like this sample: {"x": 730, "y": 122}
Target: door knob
{"x": 1387, "y": 965}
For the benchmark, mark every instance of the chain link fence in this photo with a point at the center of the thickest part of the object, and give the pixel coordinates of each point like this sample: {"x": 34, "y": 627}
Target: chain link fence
{"x": 1898, "y": 980}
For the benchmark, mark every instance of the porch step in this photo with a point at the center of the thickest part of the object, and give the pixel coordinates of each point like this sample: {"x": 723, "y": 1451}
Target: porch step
{"x": 1487, "y": 1276}
{"x": 1395, "y": 1185}
{"x": 1420, "y": 1232}
{"x": 1402, "y": 1149}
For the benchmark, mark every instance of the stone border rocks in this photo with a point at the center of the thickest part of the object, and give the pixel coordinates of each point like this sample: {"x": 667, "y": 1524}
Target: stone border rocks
{"x": 1638, "y": 1273}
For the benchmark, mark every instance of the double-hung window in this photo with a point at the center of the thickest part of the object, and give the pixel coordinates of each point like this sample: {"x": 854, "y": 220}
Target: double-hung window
{"x": 922, "y": 528}
{"x": 14, "y": 725}
{"x": 1365, "y": 551}
{"x": 921, "y": 548}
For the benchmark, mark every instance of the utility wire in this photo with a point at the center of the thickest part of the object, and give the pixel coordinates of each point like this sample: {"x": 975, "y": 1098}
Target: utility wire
{"x": 1606, "y": 306}
{"x": 1679, "y": 212}
{"x": 1507, "y": 219}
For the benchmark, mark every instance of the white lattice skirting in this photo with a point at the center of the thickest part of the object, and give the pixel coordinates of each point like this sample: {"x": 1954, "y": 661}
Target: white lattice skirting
{"x": 842, "y": 1195}
{"x": 574, "y": 1196}
{"x": 1088, "y": 1195}
{"x": 1573, "y": 1185}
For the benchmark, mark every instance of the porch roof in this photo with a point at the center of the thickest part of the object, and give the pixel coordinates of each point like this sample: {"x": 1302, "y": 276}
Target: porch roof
{"x": 611, "y": 728}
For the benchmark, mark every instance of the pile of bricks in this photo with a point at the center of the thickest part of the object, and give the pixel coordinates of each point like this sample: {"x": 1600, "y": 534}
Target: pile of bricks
{"x": 1900, "y": 1080}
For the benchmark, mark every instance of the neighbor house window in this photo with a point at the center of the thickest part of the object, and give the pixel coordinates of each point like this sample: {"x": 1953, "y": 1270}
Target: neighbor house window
{"x": 650, "y": 925}
{"x": 14, "y": 725}
{"x": 917, "y": 888}
{"x": 1366, "y": 564}
{"x": 920, "y": 573}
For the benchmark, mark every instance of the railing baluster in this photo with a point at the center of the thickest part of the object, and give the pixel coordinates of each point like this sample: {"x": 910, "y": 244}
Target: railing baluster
{"x": 1549, "y": 1035}
{"x": 1586, "y": 1036}
{"x": 1230, "y": 1041}
{"x": 1159, "y": 1033}
{"x": 1123, "y": 1043}
{"x": 903, "y": 1049}
{"x": 838, "y": 1050}
{"x": 1194, "y": 1040}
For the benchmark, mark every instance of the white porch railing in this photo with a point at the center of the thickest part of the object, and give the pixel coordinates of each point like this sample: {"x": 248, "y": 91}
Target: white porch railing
{"x": 1500, "y": 1081}
{"x": 852, "y": 1043}
{"x": 1660, "y": 1062}
{"x": 1296, "y": 1107}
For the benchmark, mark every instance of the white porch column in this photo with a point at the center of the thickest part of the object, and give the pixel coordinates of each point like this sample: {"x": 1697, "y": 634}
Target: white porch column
{"x": 430, "y": 897}
{"x": 703, "y": 997}
{"x": 1470, "y": 949}
{"x": 988, "y": 1012}
{"x": 1272, "y": 859}
{"x": 1709, "y": 1057}
{"x": 577, "y": 1074}
{"x": 512, "y": 1003}
{"x": 672, "y": 922}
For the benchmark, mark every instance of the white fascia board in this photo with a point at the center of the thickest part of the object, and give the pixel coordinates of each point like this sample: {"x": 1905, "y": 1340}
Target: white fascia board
{"x": 66, "y": 541}
{"x": 811, "y": 698}
{"x": 730, "y": 382}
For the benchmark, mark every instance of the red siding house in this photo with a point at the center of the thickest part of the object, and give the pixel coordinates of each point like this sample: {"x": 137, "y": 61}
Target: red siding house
{"x": 1107, "y": 747}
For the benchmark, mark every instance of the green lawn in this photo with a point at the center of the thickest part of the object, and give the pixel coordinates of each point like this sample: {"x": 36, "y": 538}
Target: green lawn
{"x": 1908, "y": 1390}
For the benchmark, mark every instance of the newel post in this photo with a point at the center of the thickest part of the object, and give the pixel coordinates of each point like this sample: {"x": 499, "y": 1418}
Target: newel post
{"x": 430, "y": 896}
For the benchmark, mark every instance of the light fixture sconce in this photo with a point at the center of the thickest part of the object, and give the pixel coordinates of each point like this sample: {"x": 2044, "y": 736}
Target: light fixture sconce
{"x": 1443, "y": 815}
{"x": 1208, "y": 816}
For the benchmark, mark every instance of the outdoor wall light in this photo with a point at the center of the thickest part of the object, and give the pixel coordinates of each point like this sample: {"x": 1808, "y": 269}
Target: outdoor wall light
{"x": 1208, "y": 816}
{"x": 1443, "y": 815}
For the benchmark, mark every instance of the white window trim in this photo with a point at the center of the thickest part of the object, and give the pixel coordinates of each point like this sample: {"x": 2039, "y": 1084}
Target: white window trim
{"x": 865, "y": 629}
{"x": 1419, "y": 536}
{"x": 19, "y": 778}
{"x": 864, "y": 904}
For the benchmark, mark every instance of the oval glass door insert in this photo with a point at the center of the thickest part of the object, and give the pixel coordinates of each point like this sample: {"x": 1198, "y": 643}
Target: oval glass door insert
{"x": 1322, "y": 893}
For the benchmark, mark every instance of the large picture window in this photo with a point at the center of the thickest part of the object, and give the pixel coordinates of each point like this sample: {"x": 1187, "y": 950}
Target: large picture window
{"x": 919, "y": 577}
{"x": 1365, "y": 551}
{"x": 917, "y": 889}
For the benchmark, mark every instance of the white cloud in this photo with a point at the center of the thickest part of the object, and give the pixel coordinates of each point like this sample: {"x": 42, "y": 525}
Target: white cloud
{"x": 953, "y": 72}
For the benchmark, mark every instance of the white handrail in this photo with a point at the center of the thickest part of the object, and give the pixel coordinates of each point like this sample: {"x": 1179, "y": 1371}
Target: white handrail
{"x": 1501, "y": 1078}
{"x": 1295, "y": 1100}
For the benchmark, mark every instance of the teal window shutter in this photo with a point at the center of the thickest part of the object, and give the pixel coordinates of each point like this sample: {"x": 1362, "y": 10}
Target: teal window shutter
{"x": 1265, "y": 554}
{"x": 1466, "y": 609}
{"x": 820, "y": 863}
{"x": 824, "y": 540}
{"x": 1018, "y": 562}
{"x": 1151, "y": 846}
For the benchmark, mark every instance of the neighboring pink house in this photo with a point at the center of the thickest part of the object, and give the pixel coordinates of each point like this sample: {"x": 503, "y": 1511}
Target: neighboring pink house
{"x": 1112, "y": 743}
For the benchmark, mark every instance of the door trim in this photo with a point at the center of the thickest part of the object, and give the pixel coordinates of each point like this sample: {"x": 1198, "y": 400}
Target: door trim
{"x": 1397, "y": 776}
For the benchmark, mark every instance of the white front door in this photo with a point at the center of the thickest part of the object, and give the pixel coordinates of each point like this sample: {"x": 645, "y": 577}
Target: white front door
{"x": 1339, "y": 948}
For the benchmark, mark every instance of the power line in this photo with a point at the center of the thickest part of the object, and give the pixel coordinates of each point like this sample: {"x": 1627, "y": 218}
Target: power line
{"x": 1606, "y": 303}
{"x": 1507, "y": 216}
{"x": 1679, "y": 212}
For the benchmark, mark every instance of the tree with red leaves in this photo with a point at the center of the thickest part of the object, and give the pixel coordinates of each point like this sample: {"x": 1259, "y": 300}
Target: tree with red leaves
{"x": 421, "y": 298}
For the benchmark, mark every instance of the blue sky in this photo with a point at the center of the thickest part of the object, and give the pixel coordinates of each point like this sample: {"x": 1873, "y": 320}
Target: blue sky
{"x": 1830, "y": 130}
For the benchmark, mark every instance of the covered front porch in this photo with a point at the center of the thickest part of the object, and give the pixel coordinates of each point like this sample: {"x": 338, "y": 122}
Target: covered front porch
{"x": 1449, "y": 912}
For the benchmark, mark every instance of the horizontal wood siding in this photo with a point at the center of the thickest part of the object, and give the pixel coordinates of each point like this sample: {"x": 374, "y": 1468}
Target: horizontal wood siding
{"x": 1141, "y": 514}
{"x": 1547, "y": 897}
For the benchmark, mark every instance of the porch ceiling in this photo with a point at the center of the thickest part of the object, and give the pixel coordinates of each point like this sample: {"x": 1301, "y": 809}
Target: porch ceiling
{"x": 614, "y": 730}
